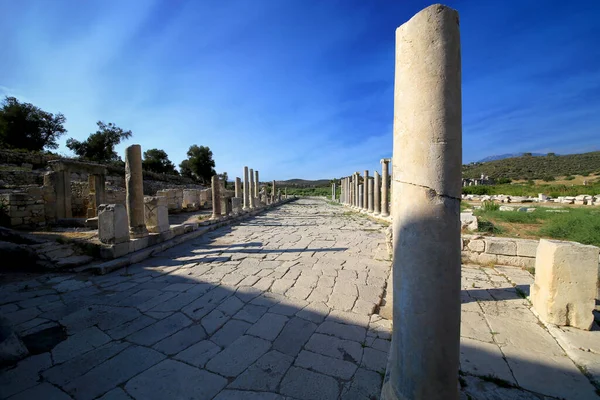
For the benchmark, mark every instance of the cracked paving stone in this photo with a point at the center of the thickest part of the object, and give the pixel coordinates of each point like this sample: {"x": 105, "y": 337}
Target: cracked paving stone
{"x": 238, "y": 356}
{"x": 265, "y": 374}
{"x": 160, "y": 330}
{"x": 303, "y": 384}
{"x": 293, "y": 336}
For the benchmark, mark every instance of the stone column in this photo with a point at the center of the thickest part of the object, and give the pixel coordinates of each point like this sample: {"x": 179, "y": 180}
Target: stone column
{"x": 216, "y": 196}
{"x": 333, "y": 192}
{"x": 246, "y": 190}
{"x": 357, "y": 192}
{"x": 424, "y": 355}
{"x": 385, "y": 173}
{"x": 370, "y": 199}
{"x": 238, "y": 188}
{"x": 361, "y": 195}
{"x": 273, "y": 192}
{"x": 376, "y": 194}
{"x": 251, "y": 189}
{"x": 366, "y": 191}
{"x": 134, "y": 185}
{"x": 256, "y": 184}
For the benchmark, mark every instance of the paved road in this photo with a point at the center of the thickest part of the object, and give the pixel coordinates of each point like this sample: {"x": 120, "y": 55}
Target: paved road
{"x": 279, "y": 307}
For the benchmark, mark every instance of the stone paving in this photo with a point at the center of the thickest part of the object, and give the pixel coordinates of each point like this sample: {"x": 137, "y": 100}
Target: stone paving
{"x": 282, "y": 306}
{"x": 278, "y": 307}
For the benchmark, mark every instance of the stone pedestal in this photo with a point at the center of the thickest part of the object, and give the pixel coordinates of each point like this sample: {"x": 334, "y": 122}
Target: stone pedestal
{"x": 156, "y": 214}
{"x": 566, "y": 277}
{"x": 134, "y": 185}
{"x": 370, "y": 199}
{"x": 385, "y": 174}
{"x": 236, "y": 205}
{"x": 246, "y": 190}
{"x": 216, "y": 196}
{"x": 113, "y": 227}
{"x": 424, "y": 355}
{"x": 226, "y": 207}
{"x": 376, "y": 193}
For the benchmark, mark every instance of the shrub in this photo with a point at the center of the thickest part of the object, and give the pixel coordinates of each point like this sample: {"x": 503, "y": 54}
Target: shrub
{"x": 569, "y": 178}
{"x": 489, "y": 205}
{"x": 548, "y": 178}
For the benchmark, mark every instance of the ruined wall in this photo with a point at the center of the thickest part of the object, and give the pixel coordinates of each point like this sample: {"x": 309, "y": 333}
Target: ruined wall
{"x": 25, "y": 208}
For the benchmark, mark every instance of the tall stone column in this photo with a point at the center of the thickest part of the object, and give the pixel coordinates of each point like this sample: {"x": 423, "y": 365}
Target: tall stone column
{"x": 333, "y": 191}
{"x": 357, "y": 193}
{"x": 256, "y": 185}
{"x": 376, "y": 193}
{"x": 216, "y": 196}
{"x": 361, "y": 193}
{"x": 134, "y": 185}
{"x": 366, "y": 191}
{"x": 238, "y": 188}
{"x": 370, "y": 194}
{"x": 273, "y": 192}
{"x": 251, "y": 189}
{"x": 246, "y": 190}
{"x": 427, "y": 161}
{"x": 385, "y": 174}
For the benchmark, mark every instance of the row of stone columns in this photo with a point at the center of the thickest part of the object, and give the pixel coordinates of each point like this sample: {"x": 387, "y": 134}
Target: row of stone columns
{"x": 371, "y": 195}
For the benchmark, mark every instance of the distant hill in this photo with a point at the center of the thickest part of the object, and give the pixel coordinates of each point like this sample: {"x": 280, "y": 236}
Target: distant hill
{"x": 540, "y": 167}
{"x": 508, "y": 155}
{"x": 303, "y": 183}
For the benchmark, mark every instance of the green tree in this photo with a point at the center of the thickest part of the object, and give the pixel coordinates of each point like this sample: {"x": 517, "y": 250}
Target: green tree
{"x": 25, "y": 126}
{"x": 156, "y": 160}
{"x": 527, "y": 155}
{"x": 100, "y": 146}
{"x": 199, "y": 164}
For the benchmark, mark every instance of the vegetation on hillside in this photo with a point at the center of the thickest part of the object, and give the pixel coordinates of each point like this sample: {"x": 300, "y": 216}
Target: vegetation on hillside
{"x": 100, "y": 146}
{"x": 156, "y": 160}
{"x": 528, "y": 167}
{"x": 577, "y": 224}
{"x": 199, "y": 164}
{"x": 552, "y": 190}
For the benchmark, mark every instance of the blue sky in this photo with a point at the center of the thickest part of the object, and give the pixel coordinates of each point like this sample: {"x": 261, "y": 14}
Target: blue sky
{"x": 298, "y": 88}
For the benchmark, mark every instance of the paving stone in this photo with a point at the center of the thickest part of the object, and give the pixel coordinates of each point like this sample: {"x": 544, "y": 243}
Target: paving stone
{"x": 160, "y": 330}
{"x": 24, "y": 375}
{"x": 250, "y": 313}
{"x": 349, "y": 318}
{"x": 315, "y": 312}
{"x": 299, "y": 292}
{"x": 294, "y": 335}
{"x": 325, "y": 365}
{"x": 244, "y": 395}
{"x": 484, "y": 359}
{"x": 268, "y": 326}
{"x": 230, "y": 306}
{"x": 199, "y": 353}
{"x": 79, "y": 343}
{"x": 288, "y": 307}
{"x": 116, "y": 394}
{"x": 334, "y": 347}
{"x": 205, "y": 304}
{"x": 103, "y": 316}
{"x": 181, "y": 340}
{"x": 282, "y": 285}
{"x": 18, "y": 317}
{"x": 247, "y": 293}
{"x": 265, "y": 374}
{"x": 302, "y": 384}
{"x": 319, "y": 295}
{"x": 214, "y": 320}
{"x": 174, "y": 380}
{"x": 77, "y": 366}
{"x": 155, "y": 300}
{"x": 42, "y": 391}
{"x": 113, "y": 372}
{"x": 238, "y": 356}
{"x": 176, "y": 303}
{"x": 374, "y": 360}
{"x": 365, "y": 385}
{"x": 230, "y": 332}
{"x": 343, "y": 331}
{"x": 342, "y": 302}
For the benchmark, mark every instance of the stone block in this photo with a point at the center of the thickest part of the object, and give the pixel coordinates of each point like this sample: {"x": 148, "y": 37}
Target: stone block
{"x": 527, "y": 248}
{"x": 113, "y": 226}
{"x": 522, "y": 262}
{"x": 501, "y": 246}
{"x": 566, "y": 275}
{"x": 476, "y": 245}
{"x": 156, "y": 214}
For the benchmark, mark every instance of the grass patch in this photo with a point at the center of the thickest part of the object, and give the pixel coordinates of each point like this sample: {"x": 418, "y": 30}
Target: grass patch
{"x": 520, "y": 292}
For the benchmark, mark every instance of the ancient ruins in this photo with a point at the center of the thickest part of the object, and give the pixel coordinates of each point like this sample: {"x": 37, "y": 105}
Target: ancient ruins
{"x": 378, "y": 290}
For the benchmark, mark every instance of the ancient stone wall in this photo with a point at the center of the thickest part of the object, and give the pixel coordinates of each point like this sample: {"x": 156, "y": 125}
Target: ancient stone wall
{"x": 20, "y": 177}
{"x": 493, "y": 250}
{"x": 80, "y": 198}
{"x": 25, "y": 208}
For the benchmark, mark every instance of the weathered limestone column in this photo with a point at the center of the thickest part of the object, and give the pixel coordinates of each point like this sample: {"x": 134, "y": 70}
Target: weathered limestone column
{"x": 366, "y": 191}
{"x": 361, "y": 195}
{"x": 134, "y": 184}
{"x": 256, "y": 184}
{"x": 273, "y": 192}
{"x": 246, "y": 190}
{"x": 216, "y": 196}
{"x": 424, "y": 355}
{"x": 385, "y": 173}
{"x": 356, "y": 192}
{"x": 376, "y": 194}
{"x": 238, "y": 188}
{"x": 251, "y": 189}
{"x": 370, "y": 199}
{"x": 333, "y": 191}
